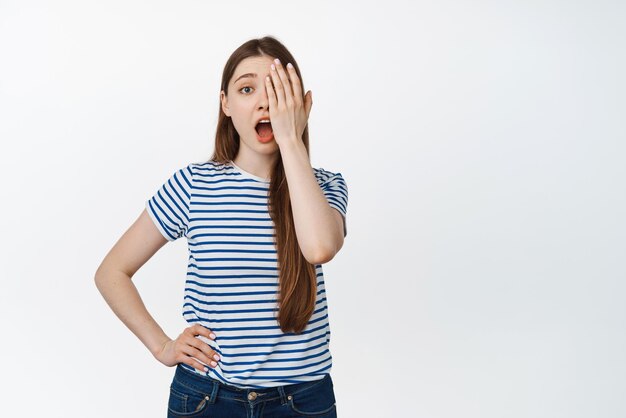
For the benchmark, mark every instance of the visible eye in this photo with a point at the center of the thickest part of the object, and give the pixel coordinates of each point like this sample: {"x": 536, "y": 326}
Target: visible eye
{"x": 246, "y": 87}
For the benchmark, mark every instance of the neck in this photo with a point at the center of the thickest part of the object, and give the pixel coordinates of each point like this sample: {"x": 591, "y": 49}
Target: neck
{"x": 259, "y": 165}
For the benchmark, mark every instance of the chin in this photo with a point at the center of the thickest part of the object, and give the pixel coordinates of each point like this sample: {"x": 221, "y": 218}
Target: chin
{"x": 261, "y": 149}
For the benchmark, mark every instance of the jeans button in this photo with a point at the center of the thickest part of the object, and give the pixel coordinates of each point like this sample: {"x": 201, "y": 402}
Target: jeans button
{"x": 252, "y": 396}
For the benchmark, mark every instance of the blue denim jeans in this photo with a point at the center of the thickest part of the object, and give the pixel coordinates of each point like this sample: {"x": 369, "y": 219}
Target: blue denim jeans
{"x": 193, "y": 395}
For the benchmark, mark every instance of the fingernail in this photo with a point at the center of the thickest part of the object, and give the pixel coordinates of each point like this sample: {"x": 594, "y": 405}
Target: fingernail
{"x": 216, "y": 357}
{"x": 213, "y": 364}
{"x": 289, "y": 65}
{"x": 273, "y": 67}
{"x": 212, "y": 335}
{"x": 206, "y": 369}
{"x": 277, "y": 61}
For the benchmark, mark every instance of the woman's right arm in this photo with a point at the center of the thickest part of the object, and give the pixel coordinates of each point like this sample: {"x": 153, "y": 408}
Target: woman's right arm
{"x": 113, "y": 279}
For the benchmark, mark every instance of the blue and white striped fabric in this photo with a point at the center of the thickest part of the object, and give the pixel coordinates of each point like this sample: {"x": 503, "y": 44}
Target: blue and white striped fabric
{"x": 232, "y": 275}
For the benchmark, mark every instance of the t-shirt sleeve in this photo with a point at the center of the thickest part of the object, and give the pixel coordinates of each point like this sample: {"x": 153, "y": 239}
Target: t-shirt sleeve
{"x": 169, "y": 206}
{"x": 336, "y": 192}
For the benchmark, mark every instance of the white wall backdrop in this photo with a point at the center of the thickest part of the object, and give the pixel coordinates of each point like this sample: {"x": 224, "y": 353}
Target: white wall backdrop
{"x": 483, "y": 144}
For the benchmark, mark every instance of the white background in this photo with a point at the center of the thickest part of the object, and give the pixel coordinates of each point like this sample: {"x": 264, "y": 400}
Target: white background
{"x": 483, "y": 144}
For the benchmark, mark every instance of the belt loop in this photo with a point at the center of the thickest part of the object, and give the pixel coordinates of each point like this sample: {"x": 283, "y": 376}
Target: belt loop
{"x": 283, "y": 397}
{"x": 214, "y": 391}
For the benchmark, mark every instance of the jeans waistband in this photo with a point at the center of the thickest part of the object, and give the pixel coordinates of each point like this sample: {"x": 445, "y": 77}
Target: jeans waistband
{"x": 209, "y": 386}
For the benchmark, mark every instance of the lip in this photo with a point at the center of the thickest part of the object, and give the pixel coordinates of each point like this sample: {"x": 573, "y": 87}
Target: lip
{"x": 261, "y": 118}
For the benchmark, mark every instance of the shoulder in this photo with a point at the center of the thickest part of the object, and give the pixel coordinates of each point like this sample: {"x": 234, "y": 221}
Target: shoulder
{"x": 324, "y": 176}
{"x": 203, "y": 169}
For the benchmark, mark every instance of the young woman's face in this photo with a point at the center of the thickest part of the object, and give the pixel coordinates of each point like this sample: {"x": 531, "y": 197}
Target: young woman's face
{"x": 247, "y": 102}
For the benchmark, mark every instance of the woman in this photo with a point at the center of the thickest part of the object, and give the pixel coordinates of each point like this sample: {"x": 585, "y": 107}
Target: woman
{"x": 259, "y": 222}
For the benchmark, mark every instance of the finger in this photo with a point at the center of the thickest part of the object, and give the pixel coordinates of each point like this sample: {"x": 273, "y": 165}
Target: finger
{"x": 284, "y": 78}
{"x": 278, "y": 85}
{"x": 201, "y": 330}
{"x": 203, "y": 347}
{"x": 195, "y": 364}
{"x": 200, "y": 355}
{"x": 182, "y": 357}
{"x": 295, "y": 83}
{"x": 308, "y": 103}
{"x": 198, "y": 329}
{"x": 270, "y": 92}
{"x": 196, "y": 354}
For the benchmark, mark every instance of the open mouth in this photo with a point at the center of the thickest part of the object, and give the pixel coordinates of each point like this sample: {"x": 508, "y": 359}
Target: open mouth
{"x": 264, "y": 130}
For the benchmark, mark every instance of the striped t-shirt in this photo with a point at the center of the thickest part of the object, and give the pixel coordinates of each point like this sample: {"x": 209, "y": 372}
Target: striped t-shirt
{"x": 232, "y": 275}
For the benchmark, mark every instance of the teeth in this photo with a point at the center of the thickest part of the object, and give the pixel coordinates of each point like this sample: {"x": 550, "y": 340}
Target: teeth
{"x": 264, "y": 121}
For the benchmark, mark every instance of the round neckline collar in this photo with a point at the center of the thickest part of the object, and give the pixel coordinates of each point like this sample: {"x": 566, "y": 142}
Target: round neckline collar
{"x": 247, "y": 174}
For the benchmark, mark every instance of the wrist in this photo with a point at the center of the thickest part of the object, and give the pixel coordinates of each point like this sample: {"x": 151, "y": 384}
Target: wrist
{"x": 157, "y": 348}
{"x": 291, "y": 143}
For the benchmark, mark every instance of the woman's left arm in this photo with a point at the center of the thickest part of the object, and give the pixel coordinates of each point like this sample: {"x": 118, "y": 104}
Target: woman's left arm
{"x": 319, "y": 227}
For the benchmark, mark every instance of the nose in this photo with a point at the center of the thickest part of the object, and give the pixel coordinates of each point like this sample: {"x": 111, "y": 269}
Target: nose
{"x": 264, "y": 101}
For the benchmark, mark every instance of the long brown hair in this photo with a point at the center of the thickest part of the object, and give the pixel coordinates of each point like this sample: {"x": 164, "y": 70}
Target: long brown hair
{"x": 297, "y": 277}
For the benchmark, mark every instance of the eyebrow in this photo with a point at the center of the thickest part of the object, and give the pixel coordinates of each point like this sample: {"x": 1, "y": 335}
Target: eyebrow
{"x": 251, "y": 75}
